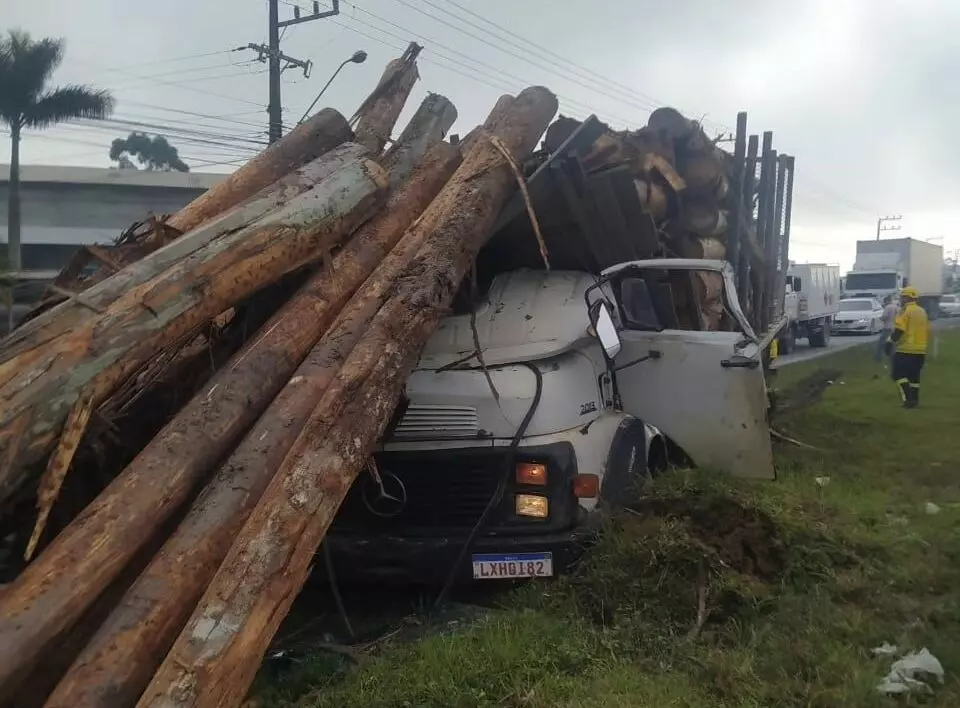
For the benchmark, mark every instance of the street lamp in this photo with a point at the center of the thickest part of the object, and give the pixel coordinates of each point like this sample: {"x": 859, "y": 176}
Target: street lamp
{"x": 358, "y": 58}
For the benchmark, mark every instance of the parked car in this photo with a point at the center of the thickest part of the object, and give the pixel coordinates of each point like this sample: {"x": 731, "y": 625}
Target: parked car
{"x": 950, "y": 305}
{"x": 859, "y": 316}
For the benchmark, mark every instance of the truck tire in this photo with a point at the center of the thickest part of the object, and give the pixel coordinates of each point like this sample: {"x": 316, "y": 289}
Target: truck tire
{"x": 788, "y": 340}
{"x": 822, "y": 338}
{"x": 627, "y": 467}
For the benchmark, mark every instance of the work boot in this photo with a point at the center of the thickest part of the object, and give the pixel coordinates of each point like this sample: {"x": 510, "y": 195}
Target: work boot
{"x": 913, "y": 397}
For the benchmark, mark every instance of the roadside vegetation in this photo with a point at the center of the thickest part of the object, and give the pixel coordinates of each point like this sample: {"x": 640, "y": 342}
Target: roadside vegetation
{"x": 719, "y": 593}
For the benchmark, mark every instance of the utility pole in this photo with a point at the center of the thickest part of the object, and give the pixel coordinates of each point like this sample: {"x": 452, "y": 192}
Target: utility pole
{"x": 277, "y": 61}
{"x": 881, "y": 224}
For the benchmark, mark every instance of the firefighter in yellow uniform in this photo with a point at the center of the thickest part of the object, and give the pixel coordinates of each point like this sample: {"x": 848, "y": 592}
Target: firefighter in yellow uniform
{"x": 911, "y": 333}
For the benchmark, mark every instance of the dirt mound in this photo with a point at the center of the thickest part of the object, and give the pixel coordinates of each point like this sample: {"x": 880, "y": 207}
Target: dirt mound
{"x": 746, "y": 539}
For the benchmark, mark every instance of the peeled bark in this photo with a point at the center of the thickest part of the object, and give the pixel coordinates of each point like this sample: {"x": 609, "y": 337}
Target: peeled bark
{"x": 33, "y": 609}
{"x": 215, "y": 657}
{"x": 428, "y": 126}
{"x": 39, "y": 387}
{"x": 305, "y": 143}
{"x": 379, "y": 112}
{"x": 118, "y": 662}
{"x": 308, "y": 141}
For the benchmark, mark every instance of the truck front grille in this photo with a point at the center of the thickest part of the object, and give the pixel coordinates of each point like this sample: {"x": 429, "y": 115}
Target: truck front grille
{"x": 423, "y": 421}
{"x": 449, "y": 493}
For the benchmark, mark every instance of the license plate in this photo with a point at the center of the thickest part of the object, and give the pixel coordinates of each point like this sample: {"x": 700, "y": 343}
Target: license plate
{"x": 491, "y": 566}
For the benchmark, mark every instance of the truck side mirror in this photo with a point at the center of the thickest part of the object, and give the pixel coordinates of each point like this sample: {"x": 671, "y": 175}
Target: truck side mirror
{"x": 606, "y": 330}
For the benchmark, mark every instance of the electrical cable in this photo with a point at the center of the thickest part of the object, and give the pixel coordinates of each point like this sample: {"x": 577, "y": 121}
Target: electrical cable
{"x": 627, "y": 100}
{"x": 432, "y": 55}
{"x": 629, "y": 95}
{"x": 335, "y": 589}
{"x": 509, "y": 464}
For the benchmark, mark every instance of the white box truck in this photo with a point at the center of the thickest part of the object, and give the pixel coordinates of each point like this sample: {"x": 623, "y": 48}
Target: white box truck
{"x": 811, "y": 303}
{"x": 884, "y": 267}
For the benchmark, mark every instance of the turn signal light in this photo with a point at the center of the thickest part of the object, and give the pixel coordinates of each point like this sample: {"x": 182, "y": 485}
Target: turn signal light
{"x": 586, "y": 486}
{"x": 532, "y": 505}
{"x": 532, "y": 473}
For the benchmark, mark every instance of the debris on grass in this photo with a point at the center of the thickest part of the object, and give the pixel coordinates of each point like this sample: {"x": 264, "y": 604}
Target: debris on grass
{"x": 912, "y": 673}
{"x": 885, "y": 649}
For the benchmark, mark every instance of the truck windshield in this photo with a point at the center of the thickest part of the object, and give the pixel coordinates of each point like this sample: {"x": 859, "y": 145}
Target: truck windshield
{"x": 871, "y": 281}
{"x": 855, "y": 305}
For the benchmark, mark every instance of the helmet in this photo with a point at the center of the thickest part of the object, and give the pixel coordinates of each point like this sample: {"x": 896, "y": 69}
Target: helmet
{"x": 910, "y": 293}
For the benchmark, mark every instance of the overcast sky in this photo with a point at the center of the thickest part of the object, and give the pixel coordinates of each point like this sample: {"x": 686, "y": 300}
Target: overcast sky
{"x": 863, "y": 92}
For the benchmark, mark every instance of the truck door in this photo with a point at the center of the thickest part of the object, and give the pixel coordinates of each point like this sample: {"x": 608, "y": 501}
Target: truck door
{"x": 705, "y": 390}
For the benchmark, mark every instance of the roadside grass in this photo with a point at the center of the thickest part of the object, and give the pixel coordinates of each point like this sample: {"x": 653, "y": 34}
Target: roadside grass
{"x": 723, "y": 593}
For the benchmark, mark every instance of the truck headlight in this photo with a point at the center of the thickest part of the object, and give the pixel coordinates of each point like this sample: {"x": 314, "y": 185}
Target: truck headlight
{"x": 532, "y": 473}
{"x": 532, "y": 505}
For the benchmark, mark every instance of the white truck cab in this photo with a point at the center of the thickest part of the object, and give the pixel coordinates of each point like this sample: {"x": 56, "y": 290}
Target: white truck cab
{"x": 560, "y": 393}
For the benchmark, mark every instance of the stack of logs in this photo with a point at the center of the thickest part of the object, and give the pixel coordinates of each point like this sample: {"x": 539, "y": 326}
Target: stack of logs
{"x": 168, "y": 586}
{"x": 701, "y": 198}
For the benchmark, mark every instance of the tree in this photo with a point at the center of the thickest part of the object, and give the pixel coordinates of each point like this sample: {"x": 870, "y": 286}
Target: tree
{"x": 26, "y": 102}
{"x": 154, "y": 153}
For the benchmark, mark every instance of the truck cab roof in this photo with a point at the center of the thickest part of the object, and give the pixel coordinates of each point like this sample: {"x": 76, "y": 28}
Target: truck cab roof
{"x": 526, "y": 315}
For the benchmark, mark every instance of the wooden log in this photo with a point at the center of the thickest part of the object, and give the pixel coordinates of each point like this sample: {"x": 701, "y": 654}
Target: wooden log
{"x": 305, "y": 143}
{"x": 435, "y": 116}
{"x": 195, "y": 290}
{"x": 378, "y": 114}
{"x": 39, "y": 387}
{"x": 215, "y": 657}
{"x": 500, "y": 109}
{"x": 71, "y": 315}
{"x": 119, "y": 661}
{"x": 704, "y": 218}
{"x": 671, "y": 123}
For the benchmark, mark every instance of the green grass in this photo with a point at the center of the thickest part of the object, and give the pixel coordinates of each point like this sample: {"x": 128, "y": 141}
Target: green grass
{"x": 799, "y": 579}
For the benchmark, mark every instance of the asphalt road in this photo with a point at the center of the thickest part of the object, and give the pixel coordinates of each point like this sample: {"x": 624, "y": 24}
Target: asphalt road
{"x": 804, "y": 352}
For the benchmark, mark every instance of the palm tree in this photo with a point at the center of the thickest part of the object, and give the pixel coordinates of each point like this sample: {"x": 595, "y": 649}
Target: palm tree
{"x": 26, "y": 102}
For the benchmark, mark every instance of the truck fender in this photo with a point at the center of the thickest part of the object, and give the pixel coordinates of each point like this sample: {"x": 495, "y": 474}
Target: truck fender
{"x": 638, "y": 452}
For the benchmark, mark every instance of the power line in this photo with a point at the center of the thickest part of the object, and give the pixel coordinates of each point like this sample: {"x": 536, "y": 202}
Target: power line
{"x": 106, "y": 146}
{"x": 195, "y": 79}
{"x": 177, "y": 134}
{"x": 226, "y": 118}
{"x": 192, "y": 70}
{"x": 178, "y": 138}
{"x": 525, "y": 45}
{"x": 175, "y": 84}
{"x": 177, "y": 59}
{"x": 470, "y": 64}
{"x": 526, "y": 60}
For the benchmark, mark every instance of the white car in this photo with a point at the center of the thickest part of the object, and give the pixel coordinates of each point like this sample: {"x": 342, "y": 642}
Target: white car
{"x": 859, "y": 316}
{"x": 950, "y": 305}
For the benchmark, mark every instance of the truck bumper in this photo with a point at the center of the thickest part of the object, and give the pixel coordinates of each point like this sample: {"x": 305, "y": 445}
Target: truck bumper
{"x": 429, "y": 561}
{"x": 445, "y": 491}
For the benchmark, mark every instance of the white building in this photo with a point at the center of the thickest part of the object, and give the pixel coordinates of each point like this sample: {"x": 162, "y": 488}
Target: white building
{"x": 63, "y": 208}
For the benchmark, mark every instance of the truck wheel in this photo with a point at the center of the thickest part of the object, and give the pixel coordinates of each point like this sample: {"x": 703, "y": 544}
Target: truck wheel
{"x": 627, "y": 471}
{"x": 788, "y": 341}
{"x": 821, "y": 338}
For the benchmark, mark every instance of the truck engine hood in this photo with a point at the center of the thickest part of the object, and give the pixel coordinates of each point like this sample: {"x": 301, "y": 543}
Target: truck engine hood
{"x": 527, "y": 315}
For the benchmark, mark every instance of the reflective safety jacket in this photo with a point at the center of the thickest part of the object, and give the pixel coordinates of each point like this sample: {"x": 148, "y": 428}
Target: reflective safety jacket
{"x": 912, "y": 330}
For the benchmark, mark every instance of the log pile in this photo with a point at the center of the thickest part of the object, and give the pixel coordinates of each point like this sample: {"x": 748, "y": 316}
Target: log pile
{"x": 178, "y": 429}
{"x": 691, "y": 190}
{"x": 285, "y": 308}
